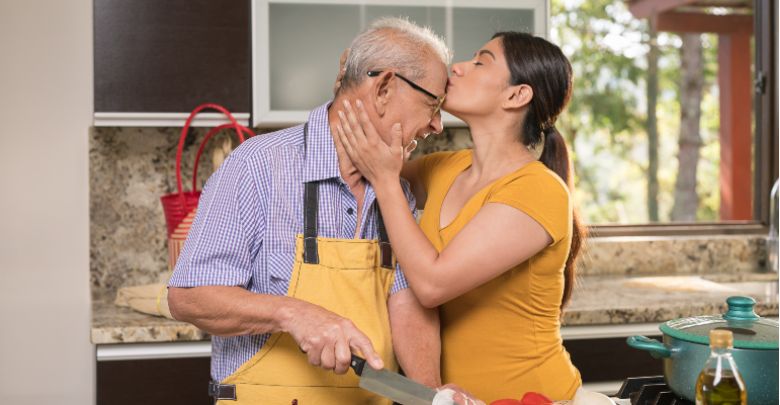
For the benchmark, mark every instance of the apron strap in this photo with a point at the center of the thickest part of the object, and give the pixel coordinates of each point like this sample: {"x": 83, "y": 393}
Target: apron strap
{"x": 384, "y": 242}
{"x": 310, "y": 214}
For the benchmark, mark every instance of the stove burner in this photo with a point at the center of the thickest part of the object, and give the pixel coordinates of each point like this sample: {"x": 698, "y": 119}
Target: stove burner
{"x": 649, "y": 391}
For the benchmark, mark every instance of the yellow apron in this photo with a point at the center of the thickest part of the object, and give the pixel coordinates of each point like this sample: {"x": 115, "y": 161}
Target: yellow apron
{"x": 350, "y": 277}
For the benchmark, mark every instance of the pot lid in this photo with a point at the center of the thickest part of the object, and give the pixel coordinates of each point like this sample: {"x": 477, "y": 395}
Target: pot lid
{"x": 750, "y": 330}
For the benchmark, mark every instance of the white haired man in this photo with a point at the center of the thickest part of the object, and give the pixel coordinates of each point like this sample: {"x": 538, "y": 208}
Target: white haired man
{"x": 287, "y": 263}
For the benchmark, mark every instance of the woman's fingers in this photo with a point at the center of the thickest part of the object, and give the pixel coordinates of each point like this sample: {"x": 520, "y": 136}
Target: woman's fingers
{"x": 363, "y": 129}
{"x": 344, "y": 138}
{"x": 369, "y": 151}
{"x": 349, "y": 134}
{"x": 365, "y": 122}
{"x": 352, "y": 125}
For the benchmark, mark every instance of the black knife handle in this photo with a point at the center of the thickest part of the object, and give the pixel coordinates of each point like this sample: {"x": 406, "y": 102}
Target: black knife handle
{"x": 357, "y": 364}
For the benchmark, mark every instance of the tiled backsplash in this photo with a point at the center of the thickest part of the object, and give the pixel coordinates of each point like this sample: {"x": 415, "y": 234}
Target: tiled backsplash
{"x": 130, "y": 168}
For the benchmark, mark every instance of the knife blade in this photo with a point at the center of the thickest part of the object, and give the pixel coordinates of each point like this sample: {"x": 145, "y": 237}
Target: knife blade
{"x": 391, "y": 385}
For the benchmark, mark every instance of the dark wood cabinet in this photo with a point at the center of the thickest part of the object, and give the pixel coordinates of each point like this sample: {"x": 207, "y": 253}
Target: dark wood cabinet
{"x": 611, "y": 359}
{"x": 169, "y": 56}
{"x": 184, "y": 380}
{"x": 150, "y": 382}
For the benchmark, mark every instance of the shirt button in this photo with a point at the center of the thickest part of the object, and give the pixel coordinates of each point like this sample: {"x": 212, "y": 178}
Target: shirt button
{"x": 350, "y": 211}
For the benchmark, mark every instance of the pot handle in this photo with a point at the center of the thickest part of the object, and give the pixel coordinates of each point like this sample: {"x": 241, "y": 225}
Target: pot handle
{"x": 656, "y": 348}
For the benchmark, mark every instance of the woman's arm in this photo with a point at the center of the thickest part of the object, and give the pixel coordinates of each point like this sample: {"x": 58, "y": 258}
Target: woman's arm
{"x": 498, "y": 237}
{"x": 410, "y": 172}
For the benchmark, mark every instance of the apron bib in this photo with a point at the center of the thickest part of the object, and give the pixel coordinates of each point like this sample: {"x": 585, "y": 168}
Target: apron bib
{"x": 350, "y": 277}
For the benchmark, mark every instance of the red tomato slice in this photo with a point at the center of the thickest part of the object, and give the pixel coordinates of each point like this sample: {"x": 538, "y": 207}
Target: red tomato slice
{"x": 535, "y": 398}
{"x": 530, "y": 398}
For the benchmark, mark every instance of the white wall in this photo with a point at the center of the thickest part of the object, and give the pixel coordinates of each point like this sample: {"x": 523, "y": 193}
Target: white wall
{"x": 45, "y": 114}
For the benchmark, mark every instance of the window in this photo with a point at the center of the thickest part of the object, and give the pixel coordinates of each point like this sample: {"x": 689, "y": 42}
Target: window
{"x": 661, "y": 123}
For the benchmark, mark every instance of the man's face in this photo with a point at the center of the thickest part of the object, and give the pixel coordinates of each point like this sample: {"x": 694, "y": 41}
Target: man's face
{"x": 417, "y": 111}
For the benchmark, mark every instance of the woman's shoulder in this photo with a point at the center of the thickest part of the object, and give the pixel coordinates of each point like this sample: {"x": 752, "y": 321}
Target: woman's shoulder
{"x": 533, "y": 181}
{"x": 540, "y": 194}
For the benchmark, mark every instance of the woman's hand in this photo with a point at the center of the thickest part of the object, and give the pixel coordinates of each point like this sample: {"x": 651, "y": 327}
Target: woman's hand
{"x": 378, "y": 162}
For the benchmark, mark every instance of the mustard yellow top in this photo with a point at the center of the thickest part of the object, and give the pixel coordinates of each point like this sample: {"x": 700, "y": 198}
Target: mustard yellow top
{"x": 503, "y": 339}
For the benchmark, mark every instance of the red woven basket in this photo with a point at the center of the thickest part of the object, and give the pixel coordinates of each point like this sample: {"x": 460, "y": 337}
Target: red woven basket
{"x": 179, "y": 207}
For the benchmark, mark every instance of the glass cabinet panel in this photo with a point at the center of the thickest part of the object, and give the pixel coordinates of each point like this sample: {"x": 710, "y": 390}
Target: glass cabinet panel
{"x": 297, "y": 43}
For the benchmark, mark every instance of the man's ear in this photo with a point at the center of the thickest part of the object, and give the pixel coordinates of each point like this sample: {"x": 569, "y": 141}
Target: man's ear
{"x": 518, "y": 96}
{"x": 382, "y": 90}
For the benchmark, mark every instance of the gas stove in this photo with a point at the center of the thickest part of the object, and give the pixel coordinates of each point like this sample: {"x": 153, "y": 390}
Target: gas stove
{"x": 649, "y": 391}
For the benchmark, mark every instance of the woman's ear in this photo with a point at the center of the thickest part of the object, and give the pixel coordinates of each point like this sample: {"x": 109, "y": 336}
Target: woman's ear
{"x": 518, "y": 96}
{"x": 382, "y": 91}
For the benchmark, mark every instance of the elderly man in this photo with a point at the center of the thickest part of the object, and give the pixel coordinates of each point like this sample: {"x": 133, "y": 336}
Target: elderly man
{"x": 288, "y": 264}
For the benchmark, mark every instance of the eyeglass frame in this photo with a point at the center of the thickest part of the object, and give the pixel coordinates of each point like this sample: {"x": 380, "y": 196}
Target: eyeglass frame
{"x": 439, "y": 99}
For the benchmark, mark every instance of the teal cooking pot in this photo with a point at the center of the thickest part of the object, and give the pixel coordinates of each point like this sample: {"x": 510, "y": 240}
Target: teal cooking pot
{"x": 685, "y": 349}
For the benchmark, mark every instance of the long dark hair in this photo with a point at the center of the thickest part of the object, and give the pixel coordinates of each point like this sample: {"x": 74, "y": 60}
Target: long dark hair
{"x": 540, "y": 64}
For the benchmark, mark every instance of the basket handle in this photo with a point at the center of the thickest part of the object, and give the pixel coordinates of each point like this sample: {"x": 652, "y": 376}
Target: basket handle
{"x": 185, "y": 131}
{"x": 211, "y": 133}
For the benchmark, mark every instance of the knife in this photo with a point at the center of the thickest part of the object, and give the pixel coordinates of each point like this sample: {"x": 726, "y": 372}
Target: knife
{"x": 391, "y": 385}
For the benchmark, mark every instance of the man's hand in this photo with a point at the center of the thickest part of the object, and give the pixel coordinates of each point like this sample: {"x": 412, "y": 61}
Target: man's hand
{"x": 329, "y": 339}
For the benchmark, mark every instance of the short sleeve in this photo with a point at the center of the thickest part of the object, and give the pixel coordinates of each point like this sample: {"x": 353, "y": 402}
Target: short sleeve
{"x": 427, "y": 165}
{"x": 226, "y": 233}
{"x": 543, "y": 196}
{"x": 400, "y": 283}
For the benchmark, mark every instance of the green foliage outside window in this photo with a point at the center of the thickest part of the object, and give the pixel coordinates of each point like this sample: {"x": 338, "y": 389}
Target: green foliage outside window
{"x": 606, "y": 123}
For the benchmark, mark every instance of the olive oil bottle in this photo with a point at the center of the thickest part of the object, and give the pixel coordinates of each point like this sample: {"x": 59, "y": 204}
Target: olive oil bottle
{"x": 719, "y": 382}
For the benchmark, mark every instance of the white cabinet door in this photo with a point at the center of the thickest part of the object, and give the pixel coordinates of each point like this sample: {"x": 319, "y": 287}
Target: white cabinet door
{"x": 296, "y": 43}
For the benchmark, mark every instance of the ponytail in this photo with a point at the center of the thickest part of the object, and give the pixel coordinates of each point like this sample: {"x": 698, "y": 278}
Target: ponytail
{"x": 555, "y": 155}
{"x": 543, "y": 66}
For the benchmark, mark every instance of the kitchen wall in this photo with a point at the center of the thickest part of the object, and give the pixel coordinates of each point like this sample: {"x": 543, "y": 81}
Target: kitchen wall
{"x": 129, "y": 169}
{"x": 45, "y": 113}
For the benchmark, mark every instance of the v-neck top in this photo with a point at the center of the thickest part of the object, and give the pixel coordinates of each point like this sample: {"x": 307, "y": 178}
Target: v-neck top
{"x": 502, "y": 339}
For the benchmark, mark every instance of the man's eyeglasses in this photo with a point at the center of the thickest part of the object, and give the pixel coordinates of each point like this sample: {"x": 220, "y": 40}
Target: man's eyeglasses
{"x": 439, "y": 99}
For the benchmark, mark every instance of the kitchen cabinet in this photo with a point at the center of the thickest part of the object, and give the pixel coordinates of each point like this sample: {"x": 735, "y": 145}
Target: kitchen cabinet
{"x": 296, "y": 43}
{"x": 180, "y": 381}
{"x": 268, "y": 61}
{"x": 610, "y": 359}
{"x": 163, "y": 372}
{"x": 154, "y": 61}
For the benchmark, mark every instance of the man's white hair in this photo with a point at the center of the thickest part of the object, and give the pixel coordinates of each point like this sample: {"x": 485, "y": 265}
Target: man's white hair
{"x": 393, "y": 43}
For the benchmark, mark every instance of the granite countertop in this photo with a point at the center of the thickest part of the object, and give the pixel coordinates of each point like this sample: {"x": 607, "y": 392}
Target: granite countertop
{"x": 597, "y": 300}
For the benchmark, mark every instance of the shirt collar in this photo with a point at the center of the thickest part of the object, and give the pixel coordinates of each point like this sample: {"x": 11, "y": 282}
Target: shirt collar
{"x": 321, "y": 160}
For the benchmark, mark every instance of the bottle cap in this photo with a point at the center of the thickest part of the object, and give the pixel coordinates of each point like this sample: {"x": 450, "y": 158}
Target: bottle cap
{"x": 721, "y": 338}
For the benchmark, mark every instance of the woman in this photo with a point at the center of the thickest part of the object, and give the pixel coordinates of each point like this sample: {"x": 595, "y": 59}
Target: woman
{"x": 496, "y": 244}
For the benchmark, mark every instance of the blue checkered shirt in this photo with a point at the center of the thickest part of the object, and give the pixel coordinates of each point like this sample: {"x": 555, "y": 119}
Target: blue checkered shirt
{"x": 249, "y": 215}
